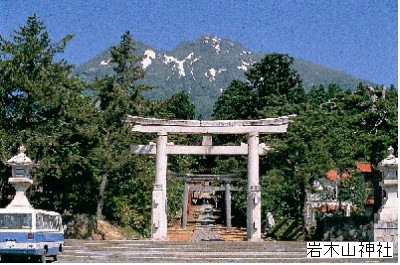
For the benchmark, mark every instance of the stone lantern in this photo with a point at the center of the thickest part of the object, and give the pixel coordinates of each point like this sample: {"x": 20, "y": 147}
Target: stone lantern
{"x": 20, "y": 178}
{"x": 386, "y": 220}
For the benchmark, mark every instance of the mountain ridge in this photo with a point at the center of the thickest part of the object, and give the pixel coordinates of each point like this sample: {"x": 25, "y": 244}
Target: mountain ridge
{"x": 204, "y": 68}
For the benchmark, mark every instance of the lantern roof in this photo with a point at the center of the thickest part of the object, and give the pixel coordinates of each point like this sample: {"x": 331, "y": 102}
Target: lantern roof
{"x": 21, "y": 158}
{"x": 391, "y": 160}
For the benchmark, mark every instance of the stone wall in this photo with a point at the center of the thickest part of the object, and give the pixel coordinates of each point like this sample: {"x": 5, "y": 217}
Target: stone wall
{"x": 79, "y": 226}
{"x": 85, "y": 226}
{"x": 387, "y": 232}
{"x": 337, "y": 228}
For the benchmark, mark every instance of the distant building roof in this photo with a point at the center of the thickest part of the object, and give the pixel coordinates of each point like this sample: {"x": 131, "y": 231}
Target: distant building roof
{"x": 364, "y": 167}
{"x": 333, "y": 174}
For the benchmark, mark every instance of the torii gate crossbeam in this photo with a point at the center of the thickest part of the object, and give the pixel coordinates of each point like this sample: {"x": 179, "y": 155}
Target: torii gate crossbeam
{"x": 161, "y": 149}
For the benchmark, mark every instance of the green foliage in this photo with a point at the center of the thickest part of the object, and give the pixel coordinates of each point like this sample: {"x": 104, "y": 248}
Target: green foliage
{"x": 41, "y": 107}
{"x": 281, "y": 195}
{"x": 273, "y": 89}
{"x": 82, "y": 144}
{"x": 273, "y": 75}
{"x": 177, "y": 107}
{"x": 127, "y": 203}
{"x": 317, "y": 96}
{"x": 235, "y": 103}
{"x": 333, "y": 129}
{"x": 33, "y": 87}
{"x": 353, "y": 190}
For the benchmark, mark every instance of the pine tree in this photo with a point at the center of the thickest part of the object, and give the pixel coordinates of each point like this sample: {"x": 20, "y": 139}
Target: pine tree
{"x": 42, "y": 107}
{"x": 177, "y": 107}
{"x": 29, "y": 77}
{"x": 236, "y": 102}
{"x": 117, "y": 96}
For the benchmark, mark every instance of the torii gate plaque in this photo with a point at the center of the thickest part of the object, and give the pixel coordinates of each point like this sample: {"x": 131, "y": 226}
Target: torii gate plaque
{"x": 161, "y": 149}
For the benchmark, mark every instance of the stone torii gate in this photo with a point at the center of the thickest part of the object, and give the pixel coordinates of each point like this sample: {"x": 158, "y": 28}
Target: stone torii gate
{"x": 253, "y": 149}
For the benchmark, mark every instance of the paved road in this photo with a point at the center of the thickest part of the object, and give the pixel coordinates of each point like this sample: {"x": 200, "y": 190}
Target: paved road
{"x": 139, "y": 251}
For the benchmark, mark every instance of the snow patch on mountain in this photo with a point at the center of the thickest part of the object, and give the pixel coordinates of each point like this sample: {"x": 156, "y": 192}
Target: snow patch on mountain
{"x": 190, "y": 56}
{"x": 212, "y": 73}
{"x": 176, "y": 64}
{"x": 105, "y": 62}
{"x": 216, "y": 42}
{"x": 244, "y": 52}
{"x": 192, "y": 74}
{"x": 191, "y": 63}
{"x": 179, "y": 65}
{"x": 244, "y": 65}
{"x": 149, "y": 55}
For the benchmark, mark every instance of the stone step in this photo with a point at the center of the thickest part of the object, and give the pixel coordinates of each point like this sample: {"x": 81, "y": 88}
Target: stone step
{"x": 150, "y": 251}
{"x": 138, "y": 251}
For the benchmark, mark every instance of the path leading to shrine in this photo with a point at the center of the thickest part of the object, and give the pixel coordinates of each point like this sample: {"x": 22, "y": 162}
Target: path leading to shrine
{"x": 202, "y": 226}
{"x": 196, "y": 233}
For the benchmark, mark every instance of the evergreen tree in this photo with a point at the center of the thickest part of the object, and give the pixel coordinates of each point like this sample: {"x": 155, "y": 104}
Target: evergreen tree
{"x": 117, "y": 96}
{"x": 275, "y": 83}
{"x": 273, "y": 89}
{"x": 41, "y": 107}
{"x": 273, "y": 75}
{"x": 236, "y": 102}
{"x": 177, "y": 107}
{"x": 317, "y": 96}
{"x": 33, "y": 87}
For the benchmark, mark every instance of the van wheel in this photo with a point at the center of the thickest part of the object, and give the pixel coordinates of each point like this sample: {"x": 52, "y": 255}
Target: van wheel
{"x": 4, "y": 259}
{"x": 55, "y": 258}
{"x": 42, "y": 258}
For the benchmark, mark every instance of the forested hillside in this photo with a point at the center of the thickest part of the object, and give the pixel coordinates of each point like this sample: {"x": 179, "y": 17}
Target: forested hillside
{"x": 82, "y": 145}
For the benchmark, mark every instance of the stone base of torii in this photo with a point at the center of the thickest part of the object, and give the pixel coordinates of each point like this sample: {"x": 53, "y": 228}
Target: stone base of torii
{"x": 253, "y": 149}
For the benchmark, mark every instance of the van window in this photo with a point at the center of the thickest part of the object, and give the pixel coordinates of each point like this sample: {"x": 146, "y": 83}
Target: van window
{"x": 15, "y": 220}
{"x": 39, "y": 221}
{"x": 48, "y": 221}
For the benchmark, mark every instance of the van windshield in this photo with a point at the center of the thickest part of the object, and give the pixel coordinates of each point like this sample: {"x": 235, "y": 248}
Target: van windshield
{"x": 15, "y": 220}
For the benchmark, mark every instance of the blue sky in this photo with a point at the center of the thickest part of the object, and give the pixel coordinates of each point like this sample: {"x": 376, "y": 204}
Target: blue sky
{"x": 357, "y": 37}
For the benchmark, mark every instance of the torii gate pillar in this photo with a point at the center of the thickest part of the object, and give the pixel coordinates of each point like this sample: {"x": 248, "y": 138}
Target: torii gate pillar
{"x": 253, "y": 190}
{"x": 159, "y": 203}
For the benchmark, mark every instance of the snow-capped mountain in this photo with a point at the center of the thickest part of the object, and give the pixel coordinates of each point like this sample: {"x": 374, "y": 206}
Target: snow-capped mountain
{"x": 204, "y": 68}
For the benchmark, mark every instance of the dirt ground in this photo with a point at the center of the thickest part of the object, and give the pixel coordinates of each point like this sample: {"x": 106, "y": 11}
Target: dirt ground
{"x": 106, "y": 231}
